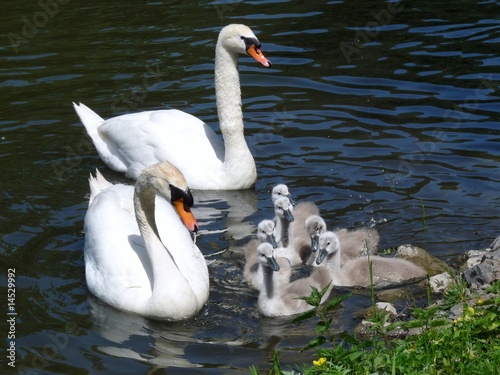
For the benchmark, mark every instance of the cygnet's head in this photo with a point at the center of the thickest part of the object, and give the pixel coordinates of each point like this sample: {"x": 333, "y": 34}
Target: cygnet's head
{"x": 280, "y": 191}
{"x": 266, "y": 256}
{"x": 265, "y": 233}
{"x": 283, "y": 208}
{"x": 329, "y": 245}
{"x": 315, "y": 227}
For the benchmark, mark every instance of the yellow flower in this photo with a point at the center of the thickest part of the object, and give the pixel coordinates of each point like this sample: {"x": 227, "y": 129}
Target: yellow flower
{"x": 480, "y": 301}
{"x": 320, "y": 362}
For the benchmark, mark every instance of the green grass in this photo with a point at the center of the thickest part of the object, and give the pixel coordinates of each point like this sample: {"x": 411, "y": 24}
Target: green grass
{"x": 468, "y": 345}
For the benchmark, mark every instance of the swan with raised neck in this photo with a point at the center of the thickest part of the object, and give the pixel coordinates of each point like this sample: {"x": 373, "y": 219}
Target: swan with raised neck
{"x": 131, "y": 142}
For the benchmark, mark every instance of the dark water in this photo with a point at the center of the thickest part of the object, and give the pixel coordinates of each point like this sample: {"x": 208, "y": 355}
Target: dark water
{"x": 370, "y": 108}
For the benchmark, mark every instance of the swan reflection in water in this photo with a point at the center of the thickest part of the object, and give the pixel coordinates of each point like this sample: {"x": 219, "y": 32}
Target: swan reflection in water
{"x": 162, "y": 347}
{"x": 225, "y": 212}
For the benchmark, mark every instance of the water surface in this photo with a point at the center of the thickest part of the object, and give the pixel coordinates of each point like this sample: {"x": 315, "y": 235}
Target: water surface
{"x": 371, "y": 109}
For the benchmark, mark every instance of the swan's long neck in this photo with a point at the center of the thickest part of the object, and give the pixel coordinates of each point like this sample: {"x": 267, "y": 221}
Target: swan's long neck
{"x": 228, "y": 97}
{"x": 162, "y": 264}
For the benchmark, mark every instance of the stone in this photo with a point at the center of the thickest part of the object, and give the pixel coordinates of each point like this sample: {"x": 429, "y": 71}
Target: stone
{"x": 475, "y": 257}
{"x": 387, "y": 307}
{"x": 495, "y": 245}
{"x": 439, "y": 283}
{"x": 391, "y": 295}
{"x": 483, "y": 274}
{"x": 422, "y": 258}
{"x": 456, "y": 311}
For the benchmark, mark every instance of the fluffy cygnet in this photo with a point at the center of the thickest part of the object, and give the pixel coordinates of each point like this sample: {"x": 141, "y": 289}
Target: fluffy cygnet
{"x": 283, "y": 217}
{"x": 301, "y": 238}
{"x": 279, "y": 296}
{"x": 386, "y": 271}
{"x": 315, "y": 227}
{"x": 252, "y": 272}
{"x": 357, "y": 242}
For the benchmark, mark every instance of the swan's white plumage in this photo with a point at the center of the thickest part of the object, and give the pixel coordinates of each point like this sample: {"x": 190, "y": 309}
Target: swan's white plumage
{"x": 131, "y": 142}
{"x": 118, "y": 267}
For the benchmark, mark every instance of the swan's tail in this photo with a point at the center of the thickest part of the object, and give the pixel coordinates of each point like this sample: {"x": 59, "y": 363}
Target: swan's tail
{"x": 97, "y": 184}
{"x": 108, "y": 152}
{"x": 90, "y": 119}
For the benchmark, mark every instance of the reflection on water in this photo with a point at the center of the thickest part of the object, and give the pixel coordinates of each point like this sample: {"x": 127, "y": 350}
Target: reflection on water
{"x": 371, "y": 109}
{"x": 228, "y": 207}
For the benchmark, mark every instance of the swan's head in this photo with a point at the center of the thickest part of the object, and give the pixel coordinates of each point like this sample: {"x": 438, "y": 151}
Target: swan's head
{"x": 169, "y": 182}
{"x": 315, "y": 227}
{"x": 265, "y": 232}
{"x": 279, "y": 191}
{"x": 266, "y": 256}
{"x": 240, "y": 39}
{"x": 283, "y": 208}
{"x": 329, "y": 244}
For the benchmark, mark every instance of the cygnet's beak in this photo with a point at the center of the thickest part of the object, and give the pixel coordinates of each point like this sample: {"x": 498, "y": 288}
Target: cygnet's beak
{"x": 289, "y": 216}
{"x": 271, "y": 262}
{"x": 272, "y": 240}
{"x": 314, "y": 243}
{"x": 321, "y": 256}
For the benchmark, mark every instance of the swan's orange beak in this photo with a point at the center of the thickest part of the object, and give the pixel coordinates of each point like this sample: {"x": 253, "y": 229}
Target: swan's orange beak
{"x": 186, "y": 216}
{"x": 258, "y": 55}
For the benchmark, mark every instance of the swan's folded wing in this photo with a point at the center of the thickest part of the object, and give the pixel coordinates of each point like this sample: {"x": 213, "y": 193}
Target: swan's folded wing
{"x": 145, "y": 138}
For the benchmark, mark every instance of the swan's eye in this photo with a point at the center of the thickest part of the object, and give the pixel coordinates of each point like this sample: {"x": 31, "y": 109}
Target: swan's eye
{"x": 249, "y": 42}
{"x": 178, "y": 194}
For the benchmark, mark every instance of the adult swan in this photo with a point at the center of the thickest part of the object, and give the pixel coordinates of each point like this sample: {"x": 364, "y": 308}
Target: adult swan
{"x": 134, "y": 264}
{"x": 131, "y": 142}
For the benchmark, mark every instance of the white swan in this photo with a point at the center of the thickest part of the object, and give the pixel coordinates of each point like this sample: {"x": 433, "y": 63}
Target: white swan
{"x": 386, "y": 271}
{"x": 252, "y": 272}
{"x": 279, "y": 296}
{"x": 139, "y": 256}
{"x": 131, "y": 142}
